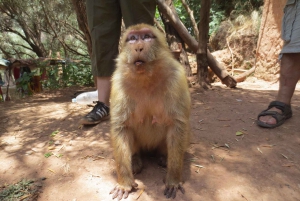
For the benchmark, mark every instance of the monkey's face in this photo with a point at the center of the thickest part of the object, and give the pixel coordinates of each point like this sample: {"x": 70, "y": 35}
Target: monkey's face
{"x": 140, "y": 49}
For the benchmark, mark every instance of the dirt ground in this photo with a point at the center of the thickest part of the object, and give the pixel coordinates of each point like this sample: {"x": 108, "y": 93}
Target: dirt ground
{"x": 221, "y": 163}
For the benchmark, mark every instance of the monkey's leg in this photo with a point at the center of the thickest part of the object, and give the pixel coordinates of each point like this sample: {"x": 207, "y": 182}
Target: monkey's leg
{"x": 162, "y": 152}
{"x": 176, "y": 139}
{"x": 137, "y": 164}
{"x": 123, "y": 143}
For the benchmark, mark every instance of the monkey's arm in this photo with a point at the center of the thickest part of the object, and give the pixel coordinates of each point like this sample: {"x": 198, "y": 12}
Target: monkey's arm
{"x": 178, "y": 133}
{"x": 122, "y": 142}
{"x": 122, "y": 139}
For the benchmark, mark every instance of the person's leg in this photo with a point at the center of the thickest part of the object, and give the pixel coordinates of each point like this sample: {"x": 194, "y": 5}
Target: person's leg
{"x": 104, "y": 20}
{"x": 280, "y": 110}
{"x": 289, "y": 76}
{"x": 138, "y": 11}
{"x": 103, "y": 88}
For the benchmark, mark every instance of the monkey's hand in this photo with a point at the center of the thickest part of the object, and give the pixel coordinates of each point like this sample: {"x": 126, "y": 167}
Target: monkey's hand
{"x": 122, "y": 191}
{"x": 171, "y": 190}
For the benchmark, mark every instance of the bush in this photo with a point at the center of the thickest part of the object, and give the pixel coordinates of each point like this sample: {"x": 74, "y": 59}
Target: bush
{"x": 68, "y": 74}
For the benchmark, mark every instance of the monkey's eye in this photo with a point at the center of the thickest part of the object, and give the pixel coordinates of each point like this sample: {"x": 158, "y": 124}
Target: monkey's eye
{"x": 147, "y": 37}
{"x": 132, "y": 39}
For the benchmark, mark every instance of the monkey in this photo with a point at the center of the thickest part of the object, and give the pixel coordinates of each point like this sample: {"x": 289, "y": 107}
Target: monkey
{"x": 150, "y": 109}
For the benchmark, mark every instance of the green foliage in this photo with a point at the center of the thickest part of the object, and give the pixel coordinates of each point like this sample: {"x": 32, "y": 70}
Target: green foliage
{"x": 68, "y": 74}
{"x": 53, "y": 134}
{"x": 183, "y": 15}
{"x": 78, "y": 74}
{"x": 52, "y": 81}
{"x": 23, "y": 84}
{"x": 34, "y": 28}
{"x": 16, "y": 191}
{"x": 47, "y": 155}
{"x": 59, "y": 155}
{"x": 216, "y": 17}
{"x": 31, "y": 29}
{"x": 57, "y": 76}
{"x": 220, "y": 11}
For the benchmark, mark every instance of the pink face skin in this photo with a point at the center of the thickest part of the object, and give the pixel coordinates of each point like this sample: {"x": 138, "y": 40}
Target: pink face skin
{"x": 140, "y": 42}
{"x": 144, "y": 34}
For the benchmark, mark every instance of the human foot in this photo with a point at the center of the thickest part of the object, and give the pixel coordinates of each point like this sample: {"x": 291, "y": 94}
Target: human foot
{"x": 275, "y": 115}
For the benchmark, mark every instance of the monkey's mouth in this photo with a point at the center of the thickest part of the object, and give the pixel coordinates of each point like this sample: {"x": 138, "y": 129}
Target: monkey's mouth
{"x": 139, "y": 67}
{"x": 138, "y": 62}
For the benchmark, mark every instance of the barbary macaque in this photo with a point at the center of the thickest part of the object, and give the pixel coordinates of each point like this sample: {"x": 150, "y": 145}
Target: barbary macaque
{"x": 150, "y": 109}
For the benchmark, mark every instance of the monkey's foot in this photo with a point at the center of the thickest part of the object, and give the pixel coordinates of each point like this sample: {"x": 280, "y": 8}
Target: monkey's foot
{"x": 137, "y": 164}
{"x": 122, "y": 191}
{"x": 171, "y": 190}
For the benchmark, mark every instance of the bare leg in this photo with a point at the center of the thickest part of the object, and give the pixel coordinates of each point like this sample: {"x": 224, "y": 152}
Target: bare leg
{"x": 103, "y": 87}
{"x": 289, "y": 76}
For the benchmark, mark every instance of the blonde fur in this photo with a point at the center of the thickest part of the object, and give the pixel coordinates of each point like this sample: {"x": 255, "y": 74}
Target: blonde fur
{"x": 149, "y": 110}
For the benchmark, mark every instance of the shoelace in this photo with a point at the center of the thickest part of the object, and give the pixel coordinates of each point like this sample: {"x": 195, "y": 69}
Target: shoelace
{"x": 100, "y": 109}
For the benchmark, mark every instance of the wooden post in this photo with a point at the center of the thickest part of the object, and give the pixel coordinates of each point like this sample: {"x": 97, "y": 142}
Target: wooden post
{"x": 202, "y": 62}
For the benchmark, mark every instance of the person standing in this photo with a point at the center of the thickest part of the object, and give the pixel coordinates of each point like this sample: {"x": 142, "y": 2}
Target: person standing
{"x": 104, "y": 20}
{"x": 280, "y": 110}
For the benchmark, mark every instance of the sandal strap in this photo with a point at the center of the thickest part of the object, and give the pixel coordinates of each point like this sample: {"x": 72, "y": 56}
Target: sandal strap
{"x": 285, "y": 108}
{"x": 274, "y": 114}
{"x": 286, "y": 113}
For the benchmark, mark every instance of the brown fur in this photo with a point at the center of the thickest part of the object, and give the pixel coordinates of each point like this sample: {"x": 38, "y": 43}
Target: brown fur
{"x": 150, "y": 109}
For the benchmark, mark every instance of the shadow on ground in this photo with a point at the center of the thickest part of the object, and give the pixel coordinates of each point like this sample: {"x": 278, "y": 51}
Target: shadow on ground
{"x": 260, "y": 164}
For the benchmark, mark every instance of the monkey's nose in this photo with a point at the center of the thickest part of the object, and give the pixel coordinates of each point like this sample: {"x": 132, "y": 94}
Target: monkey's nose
{"x": 139, "y": 49}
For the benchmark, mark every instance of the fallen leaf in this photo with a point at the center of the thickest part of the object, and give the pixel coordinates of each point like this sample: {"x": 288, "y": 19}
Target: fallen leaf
{"x": 51, "y": 170}
{"x": 269, "y": 146}
{"x": 51, "y": 148}
{"x": 199, "y": 166}
{"x": 54, "y": 133}
{"x": 47, "y": 155}
{"x": 239, "y": 133}
{"x": 259, "y": 150}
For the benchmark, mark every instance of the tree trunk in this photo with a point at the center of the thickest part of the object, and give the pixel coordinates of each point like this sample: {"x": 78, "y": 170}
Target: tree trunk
{"x": 203, "y": 26}
{"x": 80, "y": 9}
{"x": 216, "y": 67}
{"x": 174, "y": 39}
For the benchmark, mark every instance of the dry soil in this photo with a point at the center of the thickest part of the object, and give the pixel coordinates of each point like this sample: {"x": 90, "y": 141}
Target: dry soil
{"x": 230, "y": 158}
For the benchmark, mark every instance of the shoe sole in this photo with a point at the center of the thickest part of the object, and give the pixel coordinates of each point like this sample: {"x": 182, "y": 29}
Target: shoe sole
{"x": 84, "y": 122}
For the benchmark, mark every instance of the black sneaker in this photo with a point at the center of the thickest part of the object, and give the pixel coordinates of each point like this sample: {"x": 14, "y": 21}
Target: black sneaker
{"x": 99, "y": 113}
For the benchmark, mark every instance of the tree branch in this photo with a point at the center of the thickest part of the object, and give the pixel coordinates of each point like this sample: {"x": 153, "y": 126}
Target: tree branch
{"x": 191, "y": 14}
{"x": 216, "y": 67}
